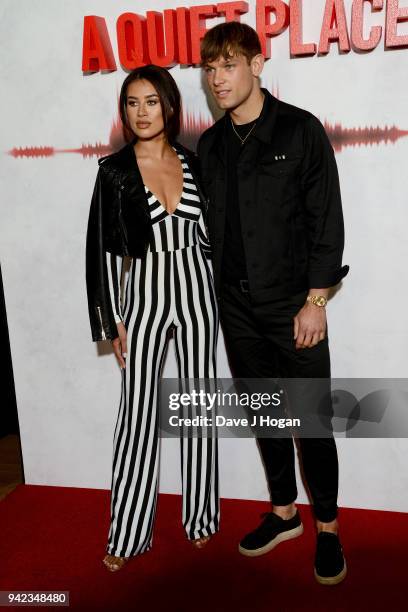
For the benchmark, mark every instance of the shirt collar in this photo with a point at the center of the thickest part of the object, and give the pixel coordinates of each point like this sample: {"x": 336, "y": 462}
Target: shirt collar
{"x": 266, "y": 120}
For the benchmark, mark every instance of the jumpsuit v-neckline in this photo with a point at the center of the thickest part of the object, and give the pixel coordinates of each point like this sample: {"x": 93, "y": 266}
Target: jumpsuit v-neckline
{"x": 150, "y": 193}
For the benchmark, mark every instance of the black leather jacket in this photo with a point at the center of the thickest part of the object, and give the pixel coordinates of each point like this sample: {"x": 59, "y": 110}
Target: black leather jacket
{"x": 119, "y": 223}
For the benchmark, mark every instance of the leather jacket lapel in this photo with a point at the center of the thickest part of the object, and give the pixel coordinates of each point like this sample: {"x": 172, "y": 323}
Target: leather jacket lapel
{"x": 129, "y": 177}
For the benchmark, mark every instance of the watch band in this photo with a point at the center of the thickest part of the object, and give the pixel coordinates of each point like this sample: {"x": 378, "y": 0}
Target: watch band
{"x": 317, "y": 300}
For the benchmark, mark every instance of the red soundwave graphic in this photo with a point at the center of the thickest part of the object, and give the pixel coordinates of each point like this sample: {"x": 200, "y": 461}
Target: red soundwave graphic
{"x": 116, "y": 141}
{"x": 89, "y": 150}
{"x": 193, "y": 125}
{"x": 341, "y": 137}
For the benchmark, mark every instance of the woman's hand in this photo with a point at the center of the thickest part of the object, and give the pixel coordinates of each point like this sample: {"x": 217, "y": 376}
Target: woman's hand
{"x": 120, "y": 345}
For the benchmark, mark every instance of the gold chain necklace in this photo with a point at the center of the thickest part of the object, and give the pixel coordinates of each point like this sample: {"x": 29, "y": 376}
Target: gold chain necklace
{"x": 242, "y": 139}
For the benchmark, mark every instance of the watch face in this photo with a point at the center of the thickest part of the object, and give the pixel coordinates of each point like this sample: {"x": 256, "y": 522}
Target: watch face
{"x": 321, "y": 301}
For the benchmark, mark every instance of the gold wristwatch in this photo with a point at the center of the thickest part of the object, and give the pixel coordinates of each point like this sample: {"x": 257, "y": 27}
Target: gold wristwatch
{"x": 317, "y": 300}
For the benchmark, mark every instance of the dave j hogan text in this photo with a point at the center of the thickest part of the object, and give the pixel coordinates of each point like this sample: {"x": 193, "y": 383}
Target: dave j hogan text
{"x": 222, "y": 421}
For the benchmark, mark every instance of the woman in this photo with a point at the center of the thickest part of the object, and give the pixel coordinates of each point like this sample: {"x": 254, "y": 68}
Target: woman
{"x": 148, "y": 204}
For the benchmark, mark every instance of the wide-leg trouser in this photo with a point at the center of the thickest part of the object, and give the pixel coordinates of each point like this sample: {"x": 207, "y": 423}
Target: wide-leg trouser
{"x": 260, "y": 344}
{"x": 164, "y": 290}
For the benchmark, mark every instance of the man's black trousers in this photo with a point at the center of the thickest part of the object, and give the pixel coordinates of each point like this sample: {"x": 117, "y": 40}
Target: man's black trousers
{"x": 260, "y": 344}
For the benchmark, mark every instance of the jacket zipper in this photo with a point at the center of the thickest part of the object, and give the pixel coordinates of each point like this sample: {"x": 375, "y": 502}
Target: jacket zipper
{"x": 122, "y": 225}
{"x": 206, "y": 201}
{"x": 100, "y": 318}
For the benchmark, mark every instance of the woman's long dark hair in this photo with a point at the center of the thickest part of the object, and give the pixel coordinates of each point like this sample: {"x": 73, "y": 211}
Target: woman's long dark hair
{"x": 169, "y": 96}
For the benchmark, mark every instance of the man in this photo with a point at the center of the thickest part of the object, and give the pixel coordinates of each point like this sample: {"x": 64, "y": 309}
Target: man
{"x": 276, "y": 226}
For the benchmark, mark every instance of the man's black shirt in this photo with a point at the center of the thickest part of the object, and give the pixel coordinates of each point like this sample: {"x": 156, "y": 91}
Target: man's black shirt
{"x": 234, "y": 262}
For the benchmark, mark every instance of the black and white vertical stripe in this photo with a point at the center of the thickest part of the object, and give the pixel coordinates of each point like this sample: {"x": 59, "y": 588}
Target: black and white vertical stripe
{"x": 114, "y": 264}
{"x": 172, "y": 286}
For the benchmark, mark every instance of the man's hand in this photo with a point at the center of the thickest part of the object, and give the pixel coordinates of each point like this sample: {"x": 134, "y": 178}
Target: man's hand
{"x": 309, "y": 325}
{"x": 120, "y": 345}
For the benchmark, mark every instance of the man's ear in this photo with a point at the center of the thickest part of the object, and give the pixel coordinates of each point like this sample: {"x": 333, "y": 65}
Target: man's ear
{"x": 257, "y": 64}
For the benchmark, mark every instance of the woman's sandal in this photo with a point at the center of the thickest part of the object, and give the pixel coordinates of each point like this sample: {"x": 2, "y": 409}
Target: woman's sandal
{"x": 201, "y": 542}
{"x": 114, "y": 563}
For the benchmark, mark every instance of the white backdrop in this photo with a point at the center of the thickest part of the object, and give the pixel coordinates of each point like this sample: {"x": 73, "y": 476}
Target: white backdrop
{"x": 68, "y": 387}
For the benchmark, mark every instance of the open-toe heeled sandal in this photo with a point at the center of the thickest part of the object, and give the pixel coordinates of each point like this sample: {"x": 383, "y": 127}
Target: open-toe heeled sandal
{"x": 201, "y": 542}
{"x": 114, "y": 563}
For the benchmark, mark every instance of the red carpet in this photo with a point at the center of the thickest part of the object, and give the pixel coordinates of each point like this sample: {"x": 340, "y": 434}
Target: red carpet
{"x": 54, "y": 538}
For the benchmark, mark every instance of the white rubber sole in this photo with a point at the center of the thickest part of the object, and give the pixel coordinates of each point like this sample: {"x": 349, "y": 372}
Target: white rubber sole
{"x": 281, "y": 537}
{"x": 331, "y": 580}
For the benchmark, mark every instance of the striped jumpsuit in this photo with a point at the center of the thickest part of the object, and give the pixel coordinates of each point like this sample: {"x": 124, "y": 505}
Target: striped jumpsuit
{"x": 171, "y": 287}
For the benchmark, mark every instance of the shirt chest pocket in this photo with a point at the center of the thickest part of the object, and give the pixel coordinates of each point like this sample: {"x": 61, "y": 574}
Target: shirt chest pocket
{"x": 279, "y": 164}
